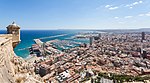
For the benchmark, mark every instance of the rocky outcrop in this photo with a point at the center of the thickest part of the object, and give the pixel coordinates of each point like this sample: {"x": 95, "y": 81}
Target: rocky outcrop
{"x": 14, "y": 69}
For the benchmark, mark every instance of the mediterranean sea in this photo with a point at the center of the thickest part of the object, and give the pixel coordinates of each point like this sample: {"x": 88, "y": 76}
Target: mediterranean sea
{"x": 28, "y": 36}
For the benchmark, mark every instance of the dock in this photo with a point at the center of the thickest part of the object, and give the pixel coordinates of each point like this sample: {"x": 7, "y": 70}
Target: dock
{"x": 48, "y": 49}
{"x": 39, "y": 42}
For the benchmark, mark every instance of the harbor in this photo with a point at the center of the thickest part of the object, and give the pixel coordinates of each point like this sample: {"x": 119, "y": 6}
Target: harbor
{"x": 51, "y": 47}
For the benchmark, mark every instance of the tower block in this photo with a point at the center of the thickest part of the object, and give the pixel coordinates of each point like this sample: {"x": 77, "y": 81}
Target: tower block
{"x": 14, "y": 29}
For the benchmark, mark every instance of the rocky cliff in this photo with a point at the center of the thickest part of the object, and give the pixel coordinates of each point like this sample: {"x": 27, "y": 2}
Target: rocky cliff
{"x": 14, "y": 69}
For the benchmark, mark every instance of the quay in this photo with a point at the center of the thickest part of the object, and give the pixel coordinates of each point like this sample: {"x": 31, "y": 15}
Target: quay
{"x": 41, "y": 47}
{"x": 39, "y": 42}
{"x": 37, "y": 48}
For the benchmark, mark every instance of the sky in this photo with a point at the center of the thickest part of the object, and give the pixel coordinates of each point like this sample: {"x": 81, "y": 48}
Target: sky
{"x": 75, "y": 14}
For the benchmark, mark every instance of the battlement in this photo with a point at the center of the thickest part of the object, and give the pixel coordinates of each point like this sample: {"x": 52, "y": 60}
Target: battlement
{"x": 4, "y": 38}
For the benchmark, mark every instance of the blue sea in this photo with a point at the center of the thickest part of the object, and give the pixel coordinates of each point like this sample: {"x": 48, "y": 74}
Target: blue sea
{"x": 27, "y": 37}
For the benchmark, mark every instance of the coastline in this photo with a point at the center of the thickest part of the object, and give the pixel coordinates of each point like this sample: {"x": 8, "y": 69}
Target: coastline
{"x": 27, "y": 37}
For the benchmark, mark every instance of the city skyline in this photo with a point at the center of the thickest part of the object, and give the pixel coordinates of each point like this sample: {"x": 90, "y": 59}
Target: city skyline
{"x": 75, "y": 14}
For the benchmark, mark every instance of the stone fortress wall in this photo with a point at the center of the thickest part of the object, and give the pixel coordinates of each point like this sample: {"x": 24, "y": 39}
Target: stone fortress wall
{"x": 6, "y": 54}
{"x": 14, "y": 69}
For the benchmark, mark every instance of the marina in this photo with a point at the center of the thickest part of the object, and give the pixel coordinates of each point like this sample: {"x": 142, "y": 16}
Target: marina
{"x": 56, "y": 46}
{"x": 65, "y": 44}
{"x": 51, "y": 47}
{"x": 46, "y": 36}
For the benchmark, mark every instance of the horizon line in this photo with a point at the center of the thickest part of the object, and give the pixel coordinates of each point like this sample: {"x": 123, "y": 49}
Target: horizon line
{"x": 86, "y": 29}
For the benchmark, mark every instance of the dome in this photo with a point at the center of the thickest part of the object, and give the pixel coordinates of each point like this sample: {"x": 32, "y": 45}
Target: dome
{"x": 13, "y": 25}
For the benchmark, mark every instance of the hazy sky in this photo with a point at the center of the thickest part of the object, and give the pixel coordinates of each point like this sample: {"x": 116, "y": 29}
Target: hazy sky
{"x": 75, "y": 14}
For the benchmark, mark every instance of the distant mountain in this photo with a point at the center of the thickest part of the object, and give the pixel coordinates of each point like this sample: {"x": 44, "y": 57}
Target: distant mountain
{"x": 115, "y": 30}
{"x": 145, "y": 29}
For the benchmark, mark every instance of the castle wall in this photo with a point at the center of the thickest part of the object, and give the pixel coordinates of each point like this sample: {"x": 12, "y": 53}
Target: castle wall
{"x": 13, "y": 68}
{"x": 6, "y": 54}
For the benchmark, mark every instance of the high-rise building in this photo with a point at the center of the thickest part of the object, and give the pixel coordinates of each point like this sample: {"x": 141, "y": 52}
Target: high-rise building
{"x": 143, "y": 35}
{"x": 14, "y": 29}
{"x": 91, "y": 40}
{"x": 99, "y": 35}
{"x": 144, "y": 55}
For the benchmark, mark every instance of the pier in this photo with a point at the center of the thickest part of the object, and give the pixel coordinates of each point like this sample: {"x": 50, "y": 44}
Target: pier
{"x": 45, "y": 47}
{"x": 39, "y": 42}
{"x": 52, "y": 36}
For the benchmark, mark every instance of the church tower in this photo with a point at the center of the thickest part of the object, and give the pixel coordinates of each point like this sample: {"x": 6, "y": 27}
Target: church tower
{"x": 14, "y": 29}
